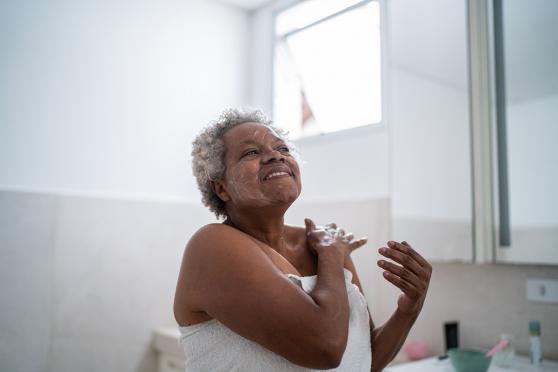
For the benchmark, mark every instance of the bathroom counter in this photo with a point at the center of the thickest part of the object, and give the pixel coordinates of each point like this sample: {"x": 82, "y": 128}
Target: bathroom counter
{"x": 170, "y": 355}
{"x": 521, "y": 364}
{"x": 165, "y": 340}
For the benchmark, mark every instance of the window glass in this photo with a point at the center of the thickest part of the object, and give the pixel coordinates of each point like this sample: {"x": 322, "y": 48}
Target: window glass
{"x": 327, "y": 72}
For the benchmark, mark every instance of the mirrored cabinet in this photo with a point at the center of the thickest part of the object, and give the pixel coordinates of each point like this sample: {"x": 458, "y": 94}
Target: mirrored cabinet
{"x": 473, "y": 117}
{"x": 526, "y": 130}
{"x": 428, "y": 113}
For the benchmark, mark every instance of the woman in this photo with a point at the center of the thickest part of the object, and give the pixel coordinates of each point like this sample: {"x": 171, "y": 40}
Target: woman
{"x": 254, "y": 294}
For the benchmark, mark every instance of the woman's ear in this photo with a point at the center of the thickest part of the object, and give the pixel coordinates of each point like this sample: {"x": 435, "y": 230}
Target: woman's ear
{"x": 219, "y": 190}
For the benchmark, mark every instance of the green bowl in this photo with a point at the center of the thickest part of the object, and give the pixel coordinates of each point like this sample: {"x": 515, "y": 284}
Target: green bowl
{"x": 468, "y": 360}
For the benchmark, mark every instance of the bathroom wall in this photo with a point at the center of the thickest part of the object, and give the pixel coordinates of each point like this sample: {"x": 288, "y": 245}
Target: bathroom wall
{"x": 85, "y": 280}
{"x": 104, "y": 97}
{"x": 95, "y": 208}
{"x": 99, "y": 102}
{"x": 487, "y": 301}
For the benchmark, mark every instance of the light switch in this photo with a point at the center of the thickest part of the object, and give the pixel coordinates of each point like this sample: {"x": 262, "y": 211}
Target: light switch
{"x": 542, "y": 290}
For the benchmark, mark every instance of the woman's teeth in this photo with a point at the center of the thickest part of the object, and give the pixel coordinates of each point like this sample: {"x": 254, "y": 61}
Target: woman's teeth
{"x": 275, "y": 174}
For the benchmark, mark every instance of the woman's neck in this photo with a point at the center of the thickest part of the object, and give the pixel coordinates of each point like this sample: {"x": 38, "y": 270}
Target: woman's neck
{"x": 267, "y": 229}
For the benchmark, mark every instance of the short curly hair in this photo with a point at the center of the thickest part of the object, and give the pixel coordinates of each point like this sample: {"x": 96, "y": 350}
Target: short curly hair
{"x": 208, "y": 152}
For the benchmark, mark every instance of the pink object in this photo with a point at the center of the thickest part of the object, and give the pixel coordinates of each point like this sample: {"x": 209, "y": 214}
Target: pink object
{"x": 498, "y": 347}
{"x": 415, "y": 350}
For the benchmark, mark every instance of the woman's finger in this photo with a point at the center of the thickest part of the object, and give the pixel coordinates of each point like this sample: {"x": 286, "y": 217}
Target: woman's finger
{"x": 332, "y": 226}
{"x": 402, "y": 273}
{"x": 349, "y": 236}
{"x": 310, "y": 226}
{"x": 408, "y": 288}
{"x": 357, "y": 243}
{"x": 402, "y": 258}
{"x": 406, "y": 248}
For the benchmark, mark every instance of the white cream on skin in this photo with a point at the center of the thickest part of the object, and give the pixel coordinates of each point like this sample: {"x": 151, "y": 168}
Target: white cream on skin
{"x": 244, "y": 178}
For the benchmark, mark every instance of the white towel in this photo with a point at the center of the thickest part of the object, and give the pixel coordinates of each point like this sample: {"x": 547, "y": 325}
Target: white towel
{"x": 211, "y": 346}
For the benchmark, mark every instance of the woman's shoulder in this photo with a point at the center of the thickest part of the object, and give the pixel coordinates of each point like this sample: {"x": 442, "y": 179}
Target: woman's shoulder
{"x": 214, "y": 227}
{"x": 216, "y": 239}
{"x": 215, "y": 231}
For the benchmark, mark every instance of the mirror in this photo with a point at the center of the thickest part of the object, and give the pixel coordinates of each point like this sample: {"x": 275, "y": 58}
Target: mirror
{"x": 430, "y": 155}
{"x": 526, "y": 81}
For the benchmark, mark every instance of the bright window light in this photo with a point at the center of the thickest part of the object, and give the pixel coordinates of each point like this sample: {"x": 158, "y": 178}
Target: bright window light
{"x": 327, "y": 71}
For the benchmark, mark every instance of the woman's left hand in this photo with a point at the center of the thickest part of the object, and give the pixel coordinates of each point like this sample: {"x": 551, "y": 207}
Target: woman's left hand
{"x": 413, "y": 277}
{"x": 336, "y": 232}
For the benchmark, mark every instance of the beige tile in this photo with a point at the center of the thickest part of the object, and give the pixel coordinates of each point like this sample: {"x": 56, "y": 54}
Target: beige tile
{"x": 26, "y": 249}
{"x": 487, "y": 300}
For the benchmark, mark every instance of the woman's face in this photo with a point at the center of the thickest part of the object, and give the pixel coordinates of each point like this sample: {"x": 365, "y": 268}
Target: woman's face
{"x": 259, "y": 169}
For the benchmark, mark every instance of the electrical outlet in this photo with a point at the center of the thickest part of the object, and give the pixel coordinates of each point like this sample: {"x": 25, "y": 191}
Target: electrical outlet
{"x": 542, "y": 290}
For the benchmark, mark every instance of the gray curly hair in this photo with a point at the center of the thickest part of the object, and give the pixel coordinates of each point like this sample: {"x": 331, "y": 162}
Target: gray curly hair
{"x": 208, "y": 152}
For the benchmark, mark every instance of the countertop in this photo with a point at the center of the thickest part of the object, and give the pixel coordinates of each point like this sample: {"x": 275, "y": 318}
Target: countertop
{"x": 521, "y": 364}
{"x": 165, "y": 340}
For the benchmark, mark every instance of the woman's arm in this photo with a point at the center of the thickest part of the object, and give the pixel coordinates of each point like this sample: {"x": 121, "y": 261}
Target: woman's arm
{"x": 388, "y": 339}
{"x": 237, "y": 284}
{"x": 412, "y": 277}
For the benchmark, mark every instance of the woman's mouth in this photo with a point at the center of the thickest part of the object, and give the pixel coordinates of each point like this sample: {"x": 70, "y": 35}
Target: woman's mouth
{"x": 275, "y": 175}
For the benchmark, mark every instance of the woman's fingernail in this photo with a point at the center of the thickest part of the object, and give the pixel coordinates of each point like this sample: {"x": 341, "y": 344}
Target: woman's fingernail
{"x": 382, "y": 250}
{"x": 386, "y": 274}
{"x": 381, "y": 263}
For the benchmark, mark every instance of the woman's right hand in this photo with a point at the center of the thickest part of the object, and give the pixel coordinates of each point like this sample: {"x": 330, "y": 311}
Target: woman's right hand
{"x": 329, "y": 237}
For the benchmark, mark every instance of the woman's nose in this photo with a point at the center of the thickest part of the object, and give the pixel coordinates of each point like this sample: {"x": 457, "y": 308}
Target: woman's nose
{"x": 273, "y": 155}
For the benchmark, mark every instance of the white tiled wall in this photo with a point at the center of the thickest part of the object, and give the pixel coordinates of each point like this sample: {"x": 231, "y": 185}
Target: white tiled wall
{"x": 26, "y": 277}
{"x": 85, "y": 280}
{"x": 487, "y": 300}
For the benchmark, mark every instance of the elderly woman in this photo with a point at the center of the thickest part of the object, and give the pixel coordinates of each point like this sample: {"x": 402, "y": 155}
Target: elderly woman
{"x": 255, "y": 294}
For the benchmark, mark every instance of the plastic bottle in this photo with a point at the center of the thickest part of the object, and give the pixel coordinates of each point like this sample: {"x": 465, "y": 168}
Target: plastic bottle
{"x": 535, "y": 342}
{"x": 505, "y": 357}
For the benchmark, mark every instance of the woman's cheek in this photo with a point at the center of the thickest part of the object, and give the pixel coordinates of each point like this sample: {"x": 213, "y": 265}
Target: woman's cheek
{"x": 244, "y": 182}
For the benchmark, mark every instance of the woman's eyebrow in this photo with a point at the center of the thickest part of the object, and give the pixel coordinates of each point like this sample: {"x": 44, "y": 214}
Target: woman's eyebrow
{"x": 252, "y": 142}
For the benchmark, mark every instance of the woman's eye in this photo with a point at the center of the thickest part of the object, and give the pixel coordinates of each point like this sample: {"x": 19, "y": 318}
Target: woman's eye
{"x": 284, "y": 149}
{"x": 250, "y": 152}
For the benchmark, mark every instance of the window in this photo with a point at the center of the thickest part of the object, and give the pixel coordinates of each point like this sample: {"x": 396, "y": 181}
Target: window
{"x": 327, "y": 70}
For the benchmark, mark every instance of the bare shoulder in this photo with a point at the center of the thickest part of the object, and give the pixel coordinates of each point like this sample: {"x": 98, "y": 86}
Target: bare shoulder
{"x": 211, "y": 233}
{"x": 208, "y": 232}
{"x": 213, "y": 251}
{"x": 215, "y": 244}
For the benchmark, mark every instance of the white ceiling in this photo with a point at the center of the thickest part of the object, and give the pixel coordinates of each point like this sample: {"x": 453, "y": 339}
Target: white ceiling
{"x": 247, "y": 4}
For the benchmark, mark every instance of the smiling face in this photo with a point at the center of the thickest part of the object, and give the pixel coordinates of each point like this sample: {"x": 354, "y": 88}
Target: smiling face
{"x": 260, "y": 170}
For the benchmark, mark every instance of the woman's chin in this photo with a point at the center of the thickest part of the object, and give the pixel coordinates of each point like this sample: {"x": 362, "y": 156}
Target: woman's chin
{"x": 289, "y": 195}
{"x": 278, "y": 197}
{"x": 284, "y": 197}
